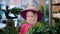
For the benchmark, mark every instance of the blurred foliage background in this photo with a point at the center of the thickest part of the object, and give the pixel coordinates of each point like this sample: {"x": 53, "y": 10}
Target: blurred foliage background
{"x": 42, "y": 28}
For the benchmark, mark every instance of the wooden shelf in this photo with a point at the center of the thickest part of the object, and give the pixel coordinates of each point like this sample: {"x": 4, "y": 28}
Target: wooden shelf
{"x": 56, "y": 4}
{"x": 56, "y": 11}
{"x": 56, "y": 16}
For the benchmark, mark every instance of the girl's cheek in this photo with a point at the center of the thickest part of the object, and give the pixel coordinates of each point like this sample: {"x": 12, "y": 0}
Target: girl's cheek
{"x": 33, "y": 18}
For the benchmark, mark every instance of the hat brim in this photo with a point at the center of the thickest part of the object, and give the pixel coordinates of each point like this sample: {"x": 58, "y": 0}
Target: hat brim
{"x": 23, "y": 14}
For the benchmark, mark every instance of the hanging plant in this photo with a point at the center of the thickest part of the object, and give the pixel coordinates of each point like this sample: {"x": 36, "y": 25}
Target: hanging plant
{"x": 16, "y": 10}
{"x": 41, "y": 9}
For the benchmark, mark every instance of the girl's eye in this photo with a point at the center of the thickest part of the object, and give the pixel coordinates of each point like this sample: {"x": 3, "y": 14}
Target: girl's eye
{"x": 32, "y": 16}
{"x": 27, "y": 16}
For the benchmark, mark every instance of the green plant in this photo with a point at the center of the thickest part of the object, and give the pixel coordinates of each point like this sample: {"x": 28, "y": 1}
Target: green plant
{"x": 57, "y": 25}
{"x": 16, "y": 10}
{"x": 38, "y": 28}
{"x": 42, "y": 28}
{"x": 9, "y": 29}
{"x": 41, "y": 9}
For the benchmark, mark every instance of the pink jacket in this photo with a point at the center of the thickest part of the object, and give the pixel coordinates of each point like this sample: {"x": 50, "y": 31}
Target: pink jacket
{"x": 24, "y": 28}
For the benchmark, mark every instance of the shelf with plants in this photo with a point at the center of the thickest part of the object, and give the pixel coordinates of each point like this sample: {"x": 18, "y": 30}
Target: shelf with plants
{"x": 56, "y": 16}
{"x": 56, "y": 13}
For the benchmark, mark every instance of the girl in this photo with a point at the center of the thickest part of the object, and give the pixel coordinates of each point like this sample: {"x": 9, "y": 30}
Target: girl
{"x": 32, "y": 17}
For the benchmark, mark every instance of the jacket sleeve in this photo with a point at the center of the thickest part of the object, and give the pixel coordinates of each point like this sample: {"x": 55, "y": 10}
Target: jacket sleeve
{"x": 23, "y": 29}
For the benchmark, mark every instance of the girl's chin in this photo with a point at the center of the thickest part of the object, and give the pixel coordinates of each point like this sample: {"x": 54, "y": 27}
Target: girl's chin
{"x": 30, "y": 22}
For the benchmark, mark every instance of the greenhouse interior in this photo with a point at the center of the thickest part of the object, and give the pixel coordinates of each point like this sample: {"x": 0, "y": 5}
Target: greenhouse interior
{"x": 11, "y": 19}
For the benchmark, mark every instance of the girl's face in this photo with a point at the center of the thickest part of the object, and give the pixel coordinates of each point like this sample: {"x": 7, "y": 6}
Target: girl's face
{"x": 31, "y": 17}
